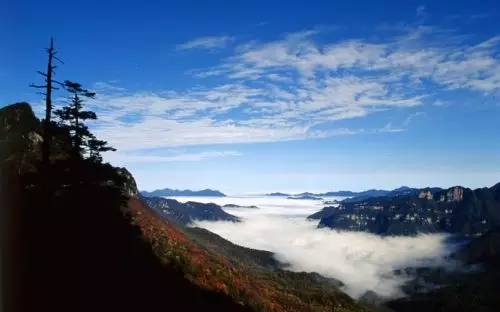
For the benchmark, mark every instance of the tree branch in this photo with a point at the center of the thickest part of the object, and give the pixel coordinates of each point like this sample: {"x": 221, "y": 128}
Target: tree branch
{"x": 56, "y": 58}
{"x": 38, "y": 86}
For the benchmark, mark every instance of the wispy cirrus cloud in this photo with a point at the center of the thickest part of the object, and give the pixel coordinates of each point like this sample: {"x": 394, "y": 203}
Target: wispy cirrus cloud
{"x": 266, "y": 114}
{"x": 127, "y": 158}
{"x": 208, "y": 42}
{"x": 421, "y": 53}
{"x": 297, "y": 88}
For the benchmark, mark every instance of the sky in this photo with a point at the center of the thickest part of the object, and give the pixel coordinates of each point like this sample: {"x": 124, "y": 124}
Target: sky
{"x": 260, "y": 96}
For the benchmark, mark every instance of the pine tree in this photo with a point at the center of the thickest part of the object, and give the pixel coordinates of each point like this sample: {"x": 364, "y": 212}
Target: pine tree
{"x": 96, "y": 147}
{"x": 72, "y": 118}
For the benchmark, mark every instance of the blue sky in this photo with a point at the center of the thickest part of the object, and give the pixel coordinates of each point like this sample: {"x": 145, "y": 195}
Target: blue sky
{"x": 266, "y": 96}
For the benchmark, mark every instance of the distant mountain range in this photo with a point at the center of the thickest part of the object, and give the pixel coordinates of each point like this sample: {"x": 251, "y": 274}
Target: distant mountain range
{"x": 407, "y": 211}
{"x": 185, "y": 213}
{"x": 304, "y": 196}
{"x": 278, "y": 194}
{"x": 403, "y": 190}
{"x": 400, "y": 191}
{"x": 172, "y": 192}
{"x": 238, "y": 206}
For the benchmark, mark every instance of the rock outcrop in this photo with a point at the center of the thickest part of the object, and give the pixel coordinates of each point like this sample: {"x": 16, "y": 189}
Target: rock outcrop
{"x": 456, "y": 210}
{"x": 129, "y": 186}
{"x": 455, "y": 194}
{"x": 425, "y": 195}
{"x": 20, "y": 142}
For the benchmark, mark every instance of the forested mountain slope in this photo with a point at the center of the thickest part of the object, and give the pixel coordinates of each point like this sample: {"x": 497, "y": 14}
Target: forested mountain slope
{"x": 79, "y": 238}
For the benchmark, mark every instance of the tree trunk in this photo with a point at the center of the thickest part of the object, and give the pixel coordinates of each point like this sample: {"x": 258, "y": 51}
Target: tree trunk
{"x": 47, "y": 135}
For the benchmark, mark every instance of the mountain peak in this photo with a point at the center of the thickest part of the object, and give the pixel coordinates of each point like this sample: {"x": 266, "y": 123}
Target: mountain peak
{"x": 175, "y": 192}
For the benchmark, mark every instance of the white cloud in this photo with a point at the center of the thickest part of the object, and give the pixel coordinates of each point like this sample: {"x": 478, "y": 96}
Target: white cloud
{"x": 155, "y": 132}
{"x": 420, "y": 54}
{"x": 209, "y": 42}
{"x": 389, "y": 128}
{"x": 421, "y": 14}
{"x": 362, "y": 261}
{"x": 412, "y": 117}
{"x": 107, "y": 86}
{"x": 440, "y": 103}
{"x": 295, "y": 88}
{"x": 270, "y": 113}
{"x": 127, "y": 158}
{"x": 420, "y": 10}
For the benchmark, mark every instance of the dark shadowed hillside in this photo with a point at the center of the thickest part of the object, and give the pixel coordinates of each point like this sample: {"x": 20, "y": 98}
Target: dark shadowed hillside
{"x": 79, "y": 250}
{"x": 473, "y": 288}
{"x": 79, "y": 238}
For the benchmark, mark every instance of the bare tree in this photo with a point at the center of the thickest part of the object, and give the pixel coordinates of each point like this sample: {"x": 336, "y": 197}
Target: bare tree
{"x": 48, "y": 86}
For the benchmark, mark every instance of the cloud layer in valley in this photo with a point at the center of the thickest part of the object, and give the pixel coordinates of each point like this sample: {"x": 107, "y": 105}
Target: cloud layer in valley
{"x": 362, "y": 261}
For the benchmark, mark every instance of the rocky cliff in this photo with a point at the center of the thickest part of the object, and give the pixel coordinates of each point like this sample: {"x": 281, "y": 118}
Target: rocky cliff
{"x": 20, "y": 140}
{"x": 456, "y": 210}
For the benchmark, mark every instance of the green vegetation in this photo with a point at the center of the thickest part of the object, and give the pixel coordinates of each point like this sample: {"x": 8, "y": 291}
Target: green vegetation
{"x": 315, "y": 291}
{"x": 71, "y": 119}
{"x": 72, "y": 245}
{"x": 237, "y": 254}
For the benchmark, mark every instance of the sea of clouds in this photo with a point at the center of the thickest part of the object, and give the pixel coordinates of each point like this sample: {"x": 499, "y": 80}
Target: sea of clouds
{"x": 362, "y": 261}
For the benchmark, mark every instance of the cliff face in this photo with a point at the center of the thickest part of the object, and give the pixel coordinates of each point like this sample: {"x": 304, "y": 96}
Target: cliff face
{"x": 454, "y": 194}
{"x": 129, "y": 187}
{"x": 426, "y": 195}
{"x": 17, "y": 119}
{"x": 455, "y": 210}
{"x": 19, "y": 140}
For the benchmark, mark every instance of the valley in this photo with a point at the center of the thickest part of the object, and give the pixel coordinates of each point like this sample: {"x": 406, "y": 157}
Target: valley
{"x": 421, "y": 261}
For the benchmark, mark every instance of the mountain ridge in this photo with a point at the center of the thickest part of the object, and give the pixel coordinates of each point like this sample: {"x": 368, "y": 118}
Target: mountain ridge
{"x": 175, "y": 192}
{"x": 456, "y": 210}
{"x": 185, "y": 213}
{"x": 402, "y": 190}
